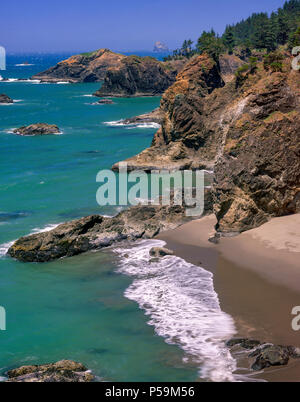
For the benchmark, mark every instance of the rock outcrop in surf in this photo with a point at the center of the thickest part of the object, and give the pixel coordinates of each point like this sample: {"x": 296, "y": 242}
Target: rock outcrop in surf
{"x": 95, "y": 232}
{"x": 37, "y": 129}
{"x": 5, "y": 99}
{"x": 62, "y": 371}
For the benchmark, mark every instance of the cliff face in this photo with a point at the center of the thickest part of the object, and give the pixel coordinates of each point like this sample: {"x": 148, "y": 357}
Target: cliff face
{"x": 247, "y": 131}
{"x": 86, "y": 67}
{"x": 139, "y": 76}
{"x": 186, "y": 138}
{"x": 258, "y": 173}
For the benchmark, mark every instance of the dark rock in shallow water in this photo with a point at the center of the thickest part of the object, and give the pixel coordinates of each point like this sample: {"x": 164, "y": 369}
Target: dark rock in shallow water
{"x": 5, "y": 99}
{"x": 157, "y": 252}
{"x": 265, "y": 354}
{"x": 37, "y": 129}
{"x": 62, "y": 371}
{"x": 243, "y": 343}
{"x": 104, "y": 102}
{"x": 155, "y": 116}
{"x": 270, "y": 355}
{"x": 96, "y": 232}
{"x": 9, "y": 216}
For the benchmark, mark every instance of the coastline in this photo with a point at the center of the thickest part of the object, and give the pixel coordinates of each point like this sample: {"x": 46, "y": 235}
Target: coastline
{"x": 250, "y": 280}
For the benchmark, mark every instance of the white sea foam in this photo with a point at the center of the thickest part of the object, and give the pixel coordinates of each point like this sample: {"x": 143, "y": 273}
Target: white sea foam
{"x": 120, "y": 123}
{"x": 45, "y": 229}
{"x": 4, "y": 248}
{"x": 23, "y": 65}
{"x": 183, "y": 307}
{"x": 10, "y": 80}
{"x": 62, "y": 82}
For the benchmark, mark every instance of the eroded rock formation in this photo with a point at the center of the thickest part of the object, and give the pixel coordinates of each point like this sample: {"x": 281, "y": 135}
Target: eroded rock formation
{"x": 37, "y": 129}
{"x": 140, "y": 76}
{"x": 247, "y": 131}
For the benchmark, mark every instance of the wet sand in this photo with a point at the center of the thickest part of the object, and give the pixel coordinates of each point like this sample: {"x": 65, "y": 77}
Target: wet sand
{"x": 257, "y": 278}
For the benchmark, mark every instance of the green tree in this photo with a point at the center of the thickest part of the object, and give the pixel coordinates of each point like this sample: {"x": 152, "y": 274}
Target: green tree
{"x": 210, "y": 43}
{"x": 229, "y": 39}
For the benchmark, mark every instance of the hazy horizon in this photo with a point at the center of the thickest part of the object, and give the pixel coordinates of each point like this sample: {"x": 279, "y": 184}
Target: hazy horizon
{"x": 58, "y": 27}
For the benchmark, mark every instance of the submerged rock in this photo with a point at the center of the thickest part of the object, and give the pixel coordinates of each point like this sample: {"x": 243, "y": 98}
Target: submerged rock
{"x": 37, "y": 129}
{"x": 158, "y": 252}
{"x": 104, "y": 102}
{"x": 5, "y": 99}
{"x": 244, "y": 343}
{"x": 62, "y": 371}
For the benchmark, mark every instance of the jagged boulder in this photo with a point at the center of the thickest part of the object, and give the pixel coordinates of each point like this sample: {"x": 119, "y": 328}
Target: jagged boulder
{"x": 270, "y": 355}
{"x": 37, "y": 129}
{"x": 5, "y": 99}
{"x": 158, "y": 252}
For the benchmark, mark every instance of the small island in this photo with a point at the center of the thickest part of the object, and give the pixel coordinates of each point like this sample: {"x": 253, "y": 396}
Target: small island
{"x": 37, "y": 129}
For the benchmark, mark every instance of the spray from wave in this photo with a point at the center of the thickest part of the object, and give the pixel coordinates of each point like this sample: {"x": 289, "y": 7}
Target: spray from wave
{"x": 183, "y": 308}
{"x": 121, "y": 123}
{"x": 6, "y": 246}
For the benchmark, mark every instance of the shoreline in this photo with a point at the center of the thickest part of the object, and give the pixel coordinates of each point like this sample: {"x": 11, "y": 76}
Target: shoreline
{"x": 257, "y": 279}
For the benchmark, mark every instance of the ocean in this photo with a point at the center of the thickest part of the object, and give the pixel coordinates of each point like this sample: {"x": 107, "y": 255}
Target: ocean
{"x": 124, "y": 318}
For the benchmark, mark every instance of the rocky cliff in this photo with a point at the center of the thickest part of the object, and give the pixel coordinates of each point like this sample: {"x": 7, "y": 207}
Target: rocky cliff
{"x": 257, "y": 176}
{"x": 187, "y": 138}
{"x": 140, "y": 76}
{"x": 85, "y": 67}
{"x": 247, "y": 131}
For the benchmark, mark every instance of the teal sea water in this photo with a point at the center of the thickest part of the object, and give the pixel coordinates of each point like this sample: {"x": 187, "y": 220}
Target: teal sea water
{"x": 91, "y": 308}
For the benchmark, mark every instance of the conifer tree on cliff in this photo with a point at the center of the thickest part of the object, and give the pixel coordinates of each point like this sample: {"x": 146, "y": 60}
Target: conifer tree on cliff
{"x": 229, "y": 39}
{"x": 210, "y": 43}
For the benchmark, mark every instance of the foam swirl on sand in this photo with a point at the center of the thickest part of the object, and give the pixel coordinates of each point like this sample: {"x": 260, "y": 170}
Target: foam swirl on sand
{"x": 183, "y": 307}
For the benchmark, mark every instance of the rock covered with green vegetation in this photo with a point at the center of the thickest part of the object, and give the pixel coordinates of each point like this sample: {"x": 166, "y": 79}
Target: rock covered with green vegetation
{"x": 62, "y": 371}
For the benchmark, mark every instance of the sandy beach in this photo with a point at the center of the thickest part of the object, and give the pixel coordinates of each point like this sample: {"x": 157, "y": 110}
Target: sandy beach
{"x": 257, "y": 278}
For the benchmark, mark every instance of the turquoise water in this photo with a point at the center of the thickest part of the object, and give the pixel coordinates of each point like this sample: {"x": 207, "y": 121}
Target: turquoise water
{"x": 72, "y": 308}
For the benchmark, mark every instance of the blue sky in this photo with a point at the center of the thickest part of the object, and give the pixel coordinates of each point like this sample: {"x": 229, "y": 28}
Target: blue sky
{"x": 125, "y": 25}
